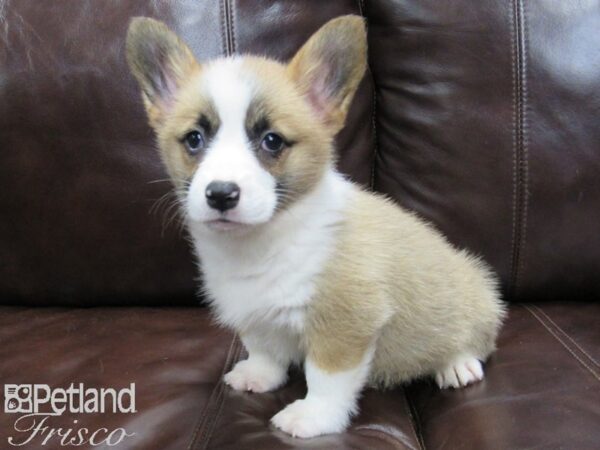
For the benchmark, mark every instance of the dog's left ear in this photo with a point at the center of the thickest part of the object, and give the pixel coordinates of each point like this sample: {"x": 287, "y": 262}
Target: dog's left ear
{"x": 160, "y": 62}
{"x": 329, "y": 67}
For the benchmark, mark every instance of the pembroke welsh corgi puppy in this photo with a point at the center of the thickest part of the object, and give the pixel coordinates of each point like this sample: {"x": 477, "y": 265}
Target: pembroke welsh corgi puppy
{"x": 307, "y": 267}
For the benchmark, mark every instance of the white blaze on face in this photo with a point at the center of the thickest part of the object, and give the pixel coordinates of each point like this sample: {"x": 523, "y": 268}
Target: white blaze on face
{"x": 229, "y": 156}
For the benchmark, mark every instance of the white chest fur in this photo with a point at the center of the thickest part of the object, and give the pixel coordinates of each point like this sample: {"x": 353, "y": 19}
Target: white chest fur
{"x": 265, "y": 278}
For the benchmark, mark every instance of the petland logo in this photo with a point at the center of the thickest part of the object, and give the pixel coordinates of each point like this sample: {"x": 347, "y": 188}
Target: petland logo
{"x": 38, "y": 403}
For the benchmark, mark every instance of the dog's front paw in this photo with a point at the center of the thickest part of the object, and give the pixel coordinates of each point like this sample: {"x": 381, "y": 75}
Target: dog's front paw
{"x": 310, "y": 418}
{"x": 255, "y": 376}
{"x": 461, "y": 372}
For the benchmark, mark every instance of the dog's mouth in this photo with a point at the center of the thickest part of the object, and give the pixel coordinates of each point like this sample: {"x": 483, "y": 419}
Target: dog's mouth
{"x": 223, "y": 224}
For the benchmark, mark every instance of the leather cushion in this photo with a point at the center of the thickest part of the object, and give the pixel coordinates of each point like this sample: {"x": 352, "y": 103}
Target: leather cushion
{"x": 177, "y": 359}
{"x": 487, "y": 124}
{"x": 542, "y": 387}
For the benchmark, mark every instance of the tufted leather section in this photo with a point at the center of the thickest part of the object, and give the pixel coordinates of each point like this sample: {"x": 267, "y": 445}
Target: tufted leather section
{"x": 85, "y": 197}
{"x": 79, "y": 174}
{"x": 445, "y": 142}
{"x": 487, "y": 125}
{"x": 561, "y": 250}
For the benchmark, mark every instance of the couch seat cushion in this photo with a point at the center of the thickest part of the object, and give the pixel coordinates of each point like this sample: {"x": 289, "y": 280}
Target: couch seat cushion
{"x": 542, "y": 387}
{"x": 176, "y": 357}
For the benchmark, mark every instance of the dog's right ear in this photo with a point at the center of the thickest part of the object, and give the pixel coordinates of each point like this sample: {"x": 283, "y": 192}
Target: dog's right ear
{"x": 160, "y": 62}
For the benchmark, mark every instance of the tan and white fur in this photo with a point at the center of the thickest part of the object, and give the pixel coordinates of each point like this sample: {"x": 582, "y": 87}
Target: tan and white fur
{"x": 307, "y": 267}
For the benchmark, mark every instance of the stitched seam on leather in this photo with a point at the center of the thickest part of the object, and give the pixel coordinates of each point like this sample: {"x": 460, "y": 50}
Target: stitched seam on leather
{"x": 524, "y": 166}
{"x": 411, "y": 409}
{"x": 565, "y": 334}
{"x": 520, "y": 148}
{"x": 232, "y": 27}
{"x": 215, "y": 396}
{"x": 362, "y": 9}
{"x": 564, "y": 344}
{"x": 223, "y": 27}
{"x": 226, "y": 26}
{"x": 513, "y": 58}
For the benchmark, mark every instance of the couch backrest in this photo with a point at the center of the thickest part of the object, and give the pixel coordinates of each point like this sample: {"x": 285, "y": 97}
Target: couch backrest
{"x": 481, "y": 116}
{"x": 488, "y": 123}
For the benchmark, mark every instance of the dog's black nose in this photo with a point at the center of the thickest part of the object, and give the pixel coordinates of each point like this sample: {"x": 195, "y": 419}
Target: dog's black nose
{"x": 222, "y": 195}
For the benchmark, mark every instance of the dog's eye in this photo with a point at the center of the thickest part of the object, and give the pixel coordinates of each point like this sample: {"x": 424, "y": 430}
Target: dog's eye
{"x": 194, "y": 142}
{"x": 272, "y": 143}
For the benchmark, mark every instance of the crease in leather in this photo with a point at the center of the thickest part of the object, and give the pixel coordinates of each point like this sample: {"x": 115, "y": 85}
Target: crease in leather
{"x": 573, "y": 351}
{"x": 217, "y": 416}
{"x": 415, "y": 422}
{"x": 412, "y": 412}
{"x": 520, "y": 150}
{"x": 362, "y": 10}
{"x": 389, "y": 436}
{"x": 210, "y": 415}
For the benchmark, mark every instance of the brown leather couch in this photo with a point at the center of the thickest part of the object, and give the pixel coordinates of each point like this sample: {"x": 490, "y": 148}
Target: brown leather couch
{"x": 482, "y": 116}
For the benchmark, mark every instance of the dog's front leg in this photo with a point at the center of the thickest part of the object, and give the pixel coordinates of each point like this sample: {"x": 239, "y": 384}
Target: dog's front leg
{"x": 267, "y": 364}
{"x": 331, "y": 399}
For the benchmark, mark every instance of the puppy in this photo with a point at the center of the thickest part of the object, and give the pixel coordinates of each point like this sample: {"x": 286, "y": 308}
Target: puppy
{"x": 307, "y": 267}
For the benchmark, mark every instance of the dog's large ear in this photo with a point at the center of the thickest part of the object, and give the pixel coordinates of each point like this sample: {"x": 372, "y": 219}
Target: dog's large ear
{"x": 160, "y": 62}
{"x": 329, "y": 67}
